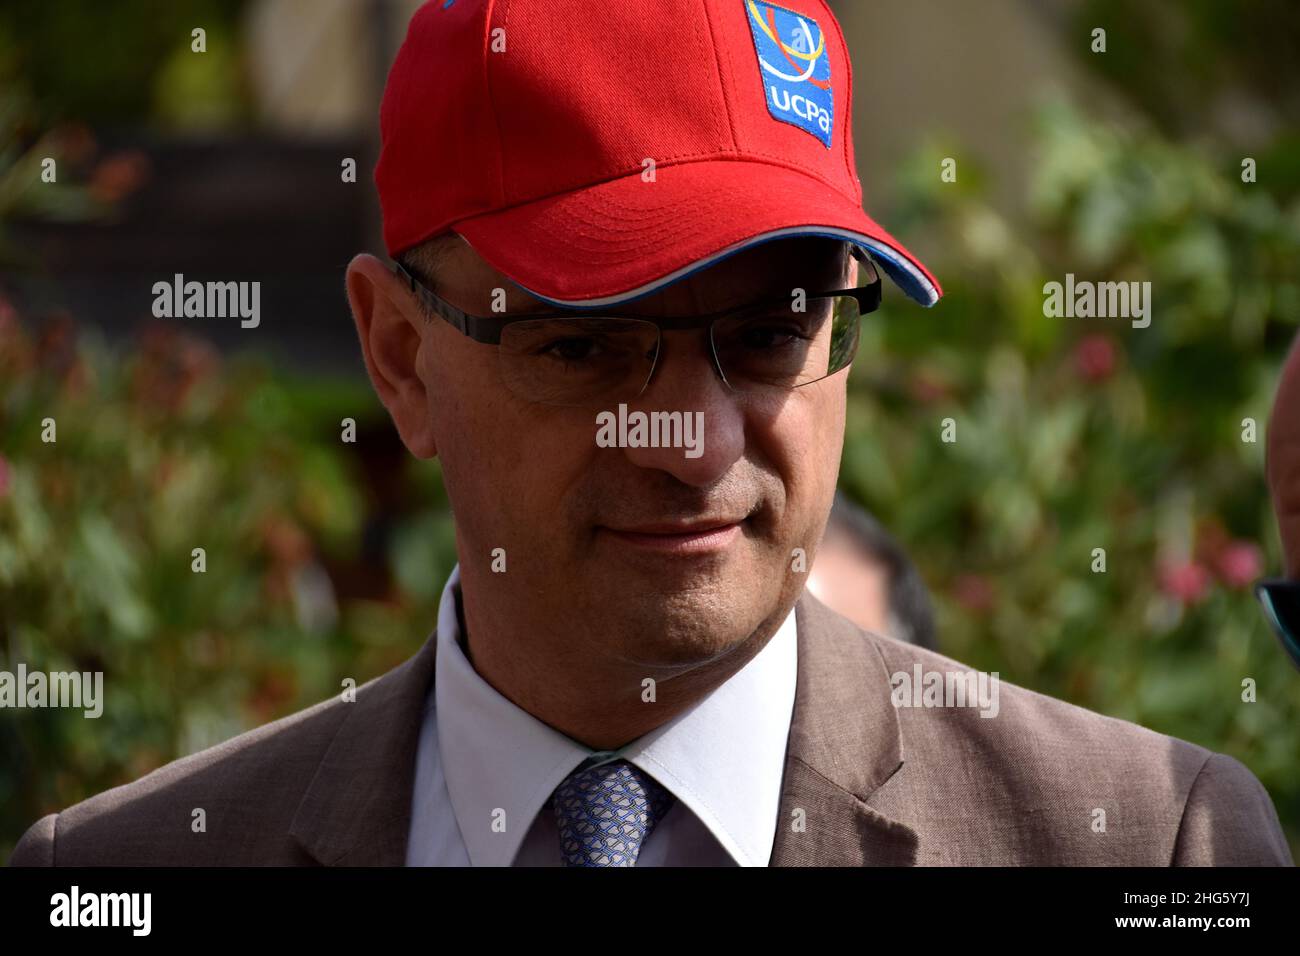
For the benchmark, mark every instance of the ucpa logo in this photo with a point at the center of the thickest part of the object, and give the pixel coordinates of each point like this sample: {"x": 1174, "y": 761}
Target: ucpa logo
{"x": 795, "y": 67}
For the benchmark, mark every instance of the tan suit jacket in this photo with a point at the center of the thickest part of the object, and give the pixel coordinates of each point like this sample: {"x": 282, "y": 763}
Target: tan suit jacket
{"x": 866, "y": 783}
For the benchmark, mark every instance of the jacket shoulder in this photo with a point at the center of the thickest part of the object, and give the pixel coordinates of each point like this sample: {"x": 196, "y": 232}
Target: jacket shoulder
{"x": 1229, "y": 820}
{"x": 1063, "y": 784}
{"x": 36, "y": 847}
{"x": 248, "y": 789}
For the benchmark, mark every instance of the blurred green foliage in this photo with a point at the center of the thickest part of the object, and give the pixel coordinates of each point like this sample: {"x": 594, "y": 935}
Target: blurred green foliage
{"x": 1201, "y": 68}
{"x": 168, "y": 450}
{"x": 23, "y": 193}
{"x": 126, "y": 63}
{"x": 1085, "y": 433}
{"x": 1210, "y": 72}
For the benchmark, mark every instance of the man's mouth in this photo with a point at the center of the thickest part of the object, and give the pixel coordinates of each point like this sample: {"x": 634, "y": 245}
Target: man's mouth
{"x": 700, "y": 536}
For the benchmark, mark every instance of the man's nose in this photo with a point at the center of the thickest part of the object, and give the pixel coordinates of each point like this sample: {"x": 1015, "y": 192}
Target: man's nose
{"x": 711, "y": 416}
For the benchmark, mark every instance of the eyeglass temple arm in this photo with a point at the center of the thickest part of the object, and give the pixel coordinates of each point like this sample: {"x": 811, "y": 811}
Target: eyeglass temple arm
{"x": 485, "y": 329}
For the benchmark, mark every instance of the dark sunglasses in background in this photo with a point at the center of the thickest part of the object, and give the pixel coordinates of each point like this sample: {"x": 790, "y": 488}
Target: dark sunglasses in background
{"x": 1281, "y": 600}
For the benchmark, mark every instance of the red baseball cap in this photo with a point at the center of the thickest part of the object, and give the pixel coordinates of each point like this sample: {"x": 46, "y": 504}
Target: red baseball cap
{"x": 596, "y": 152}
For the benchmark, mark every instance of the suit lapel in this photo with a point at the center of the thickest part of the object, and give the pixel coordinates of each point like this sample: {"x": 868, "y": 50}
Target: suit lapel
{"x": 844, "y": 744}
{"x": 357, "y": 810}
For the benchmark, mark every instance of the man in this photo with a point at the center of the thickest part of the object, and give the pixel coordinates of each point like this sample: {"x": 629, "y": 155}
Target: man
{"x": 604, "y": 221}
{"x": 865, "y": 575}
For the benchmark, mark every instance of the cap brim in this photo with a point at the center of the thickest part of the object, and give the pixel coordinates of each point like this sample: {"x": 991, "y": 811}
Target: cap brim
{"x": 626, "y": 238}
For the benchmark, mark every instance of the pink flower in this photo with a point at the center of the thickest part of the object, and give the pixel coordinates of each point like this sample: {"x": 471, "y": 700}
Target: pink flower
{"x": 1094, "y": 357}
{"x": 119, "y": 175}
{"x": 973, "y": 591}
{"x": 1240, "y": 564}
{"x": 928, "y": 389}
{"x": 74, "y": 142}
{"x": 1187, "y": 581}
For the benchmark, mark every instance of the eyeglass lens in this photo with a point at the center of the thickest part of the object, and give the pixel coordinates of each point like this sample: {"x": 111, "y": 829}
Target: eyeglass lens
{"x": 598, "y": 361}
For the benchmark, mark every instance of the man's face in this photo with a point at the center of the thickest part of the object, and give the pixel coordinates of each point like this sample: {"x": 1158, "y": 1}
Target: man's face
{"x": 632, "y": 555}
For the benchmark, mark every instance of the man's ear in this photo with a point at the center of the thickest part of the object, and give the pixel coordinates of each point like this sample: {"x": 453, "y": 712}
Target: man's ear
{"x": 390, "y": 326}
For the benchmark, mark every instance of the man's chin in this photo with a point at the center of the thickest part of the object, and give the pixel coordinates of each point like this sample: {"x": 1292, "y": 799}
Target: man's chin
{"x": 685, "y": 629}
{"x": 673, "y": 607}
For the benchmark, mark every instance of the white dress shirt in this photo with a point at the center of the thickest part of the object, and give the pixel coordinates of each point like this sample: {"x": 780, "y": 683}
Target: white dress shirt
{"x": 485, "y": 768}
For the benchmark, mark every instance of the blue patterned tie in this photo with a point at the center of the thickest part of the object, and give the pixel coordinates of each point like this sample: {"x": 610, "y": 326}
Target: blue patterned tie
{"x": 606, "y": 812}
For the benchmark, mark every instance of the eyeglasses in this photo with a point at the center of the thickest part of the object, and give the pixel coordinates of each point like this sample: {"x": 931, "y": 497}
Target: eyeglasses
{"x": 1281, "y": 601}
{"x": 584, "y": 358}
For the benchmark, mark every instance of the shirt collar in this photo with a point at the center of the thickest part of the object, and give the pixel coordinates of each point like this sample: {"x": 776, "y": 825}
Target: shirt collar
{"x": 723, "y": 758}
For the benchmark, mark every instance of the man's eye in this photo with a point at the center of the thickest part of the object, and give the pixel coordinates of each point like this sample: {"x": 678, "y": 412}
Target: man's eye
{"x": 571, "y": 348}
{"x": 770, "y": 336}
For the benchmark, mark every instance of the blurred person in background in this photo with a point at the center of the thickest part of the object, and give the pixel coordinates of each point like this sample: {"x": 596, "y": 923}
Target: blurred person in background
{"x": 862, "y": 572}
{"x": 1281, "y": 597}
